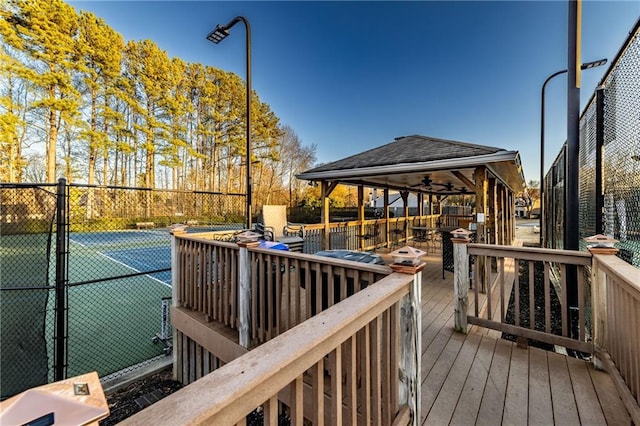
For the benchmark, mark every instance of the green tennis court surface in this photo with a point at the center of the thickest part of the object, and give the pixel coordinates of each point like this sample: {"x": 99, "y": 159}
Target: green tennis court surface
{"x": 111, "y": 323}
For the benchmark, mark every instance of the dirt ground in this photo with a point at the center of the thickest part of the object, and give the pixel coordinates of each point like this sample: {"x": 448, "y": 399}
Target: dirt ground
{"x": 122, "y": 403}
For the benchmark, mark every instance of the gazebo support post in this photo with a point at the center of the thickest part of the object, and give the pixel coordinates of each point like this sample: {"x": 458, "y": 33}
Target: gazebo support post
{"x": 503, "y": 214}
{"x": 482, "y": 188}
{"x": 385, "y": 193}
{"x": 361, "y": 214}
{"x": 493, "y": 212}
{"x": 430, "y": 204}
{"x": 326, "y": 190}
{"x": 405, "y": 212}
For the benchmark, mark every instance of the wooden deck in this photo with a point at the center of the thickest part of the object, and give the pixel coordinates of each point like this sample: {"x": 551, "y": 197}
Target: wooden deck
{"x": 481, "y": 379}
{"x": 477, "y": 378}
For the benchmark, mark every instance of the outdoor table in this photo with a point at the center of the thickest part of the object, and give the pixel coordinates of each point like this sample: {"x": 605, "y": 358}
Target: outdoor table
{"x": 424, "y": 234}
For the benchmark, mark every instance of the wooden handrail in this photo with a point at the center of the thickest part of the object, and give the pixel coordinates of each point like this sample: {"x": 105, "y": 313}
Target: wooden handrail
{"x": 228, "y": 394}
{"x": 569, "y": 257}
{"x": 625, "y": 274}
{"x": 615, "y": 303}
{"x": 616, "y": 313}
{"x": 496, "y": 297}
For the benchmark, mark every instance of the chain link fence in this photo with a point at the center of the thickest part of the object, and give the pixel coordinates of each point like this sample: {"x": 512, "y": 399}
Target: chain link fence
{"x": 88, "y": 289}
{"x": 27, "y": 283}
{"x": 609, "y": 181}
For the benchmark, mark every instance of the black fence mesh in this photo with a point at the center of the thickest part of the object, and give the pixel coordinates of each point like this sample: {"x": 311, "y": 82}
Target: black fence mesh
{"x": 117, "y": 276}
{"x": 27, "y": 271}
{"x": 620, "y": 195}
{"x": 622, "y": 152}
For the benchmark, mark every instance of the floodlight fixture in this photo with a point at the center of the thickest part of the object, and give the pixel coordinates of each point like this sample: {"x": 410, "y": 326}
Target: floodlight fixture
{"x": 216, "y": 36}
{"x": 593, "y": 64}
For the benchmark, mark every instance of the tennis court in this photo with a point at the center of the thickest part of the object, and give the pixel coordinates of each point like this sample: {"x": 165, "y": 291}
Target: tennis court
{"x": 117, "y": 276}
{"x": 117, "y": 280}
{"x": 112, "y": 320}
{"x": 136, "y": 251}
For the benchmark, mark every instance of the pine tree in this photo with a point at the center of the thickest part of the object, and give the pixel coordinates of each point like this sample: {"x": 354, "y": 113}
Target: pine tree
{"x": 44, "y": 32}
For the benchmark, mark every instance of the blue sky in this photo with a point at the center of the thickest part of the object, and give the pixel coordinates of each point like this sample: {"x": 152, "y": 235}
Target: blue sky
{"x": 351, "y": 76}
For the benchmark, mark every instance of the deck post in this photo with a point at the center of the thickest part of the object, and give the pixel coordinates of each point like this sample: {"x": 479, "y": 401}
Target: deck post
{"x": 175, "y": 231}
{"x": 410, "y": 368}
{"x": 244, "y": 293}
{"x": 599, "y": 295}
{"x": 460, "y": 283}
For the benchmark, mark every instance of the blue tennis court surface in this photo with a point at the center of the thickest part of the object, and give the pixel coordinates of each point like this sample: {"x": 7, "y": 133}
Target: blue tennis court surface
{"x": 89, "y": 239}
{"x": 140, "y": 251}
{"x": 145, "y": 259}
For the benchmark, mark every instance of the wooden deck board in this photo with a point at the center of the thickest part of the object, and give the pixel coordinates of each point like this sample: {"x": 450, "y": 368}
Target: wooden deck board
{"x": 516, "y": 402}
{"x": 443, "y": 408}
{"x": 612, "y": 407}
{"x": 492, "y": 403}
{"x": 584, "y": 392}
{"x": 565, "y": 411}
{"x": 435, "y": 379}
{"x": 540, "y": 405}
{"x": 468, "y": 404}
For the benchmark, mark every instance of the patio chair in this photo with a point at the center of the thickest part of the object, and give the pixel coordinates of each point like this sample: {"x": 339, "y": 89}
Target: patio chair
{"x": 273, "y": 225}
{"x": 371, "y": 235}
{"x": 398, "y": 233}
{"x": 272, "y": 222}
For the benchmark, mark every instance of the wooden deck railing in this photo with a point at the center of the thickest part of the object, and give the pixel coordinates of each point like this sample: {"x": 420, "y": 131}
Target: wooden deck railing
{"x": 345, "y": 235}
{"x": 606, "y": 321}
{"x": 529, "y": 262}
{"x": 358, "y": 360}
{"x": 282, "y": 288}
{"x": 288, "y": 288}
{"x": 616, "y": 323}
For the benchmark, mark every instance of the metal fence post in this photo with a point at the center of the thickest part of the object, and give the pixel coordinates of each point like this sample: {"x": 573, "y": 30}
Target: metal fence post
{"x": 62, "y": 278}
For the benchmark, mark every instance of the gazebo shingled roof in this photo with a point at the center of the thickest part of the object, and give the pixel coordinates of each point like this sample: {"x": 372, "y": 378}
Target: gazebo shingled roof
{"x": 403, "y": 164}
{"x": 408, "y": 149}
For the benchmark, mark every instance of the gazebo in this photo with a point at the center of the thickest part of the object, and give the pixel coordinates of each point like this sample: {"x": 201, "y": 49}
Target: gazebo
{"x": 435, "y": 168}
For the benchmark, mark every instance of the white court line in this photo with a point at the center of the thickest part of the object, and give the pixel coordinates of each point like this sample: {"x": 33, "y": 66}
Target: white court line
{"x": 132, "y": 268}
{"x": 77, "y": 242}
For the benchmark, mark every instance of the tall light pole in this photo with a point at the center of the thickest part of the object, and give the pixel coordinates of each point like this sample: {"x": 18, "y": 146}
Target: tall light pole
{"x": 216, "y": 36}
{"x": 584, "y": 66}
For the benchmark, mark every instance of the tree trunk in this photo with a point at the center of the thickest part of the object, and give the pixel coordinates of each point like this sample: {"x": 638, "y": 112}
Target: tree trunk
{"x": 51, "y": 146}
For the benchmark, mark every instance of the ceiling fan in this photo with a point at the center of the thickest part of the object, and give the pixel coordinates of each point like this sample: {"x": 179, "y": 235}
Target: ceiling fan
{"x": 426, "y": 182}
{"x": 448, "y": 187}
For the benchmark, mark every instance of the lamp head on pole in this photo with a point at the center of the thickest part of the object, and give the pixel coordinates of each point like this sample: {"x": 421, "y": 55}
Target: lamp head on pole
{"x": 593, "y": 64}
{"x": 218, "y": 34}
